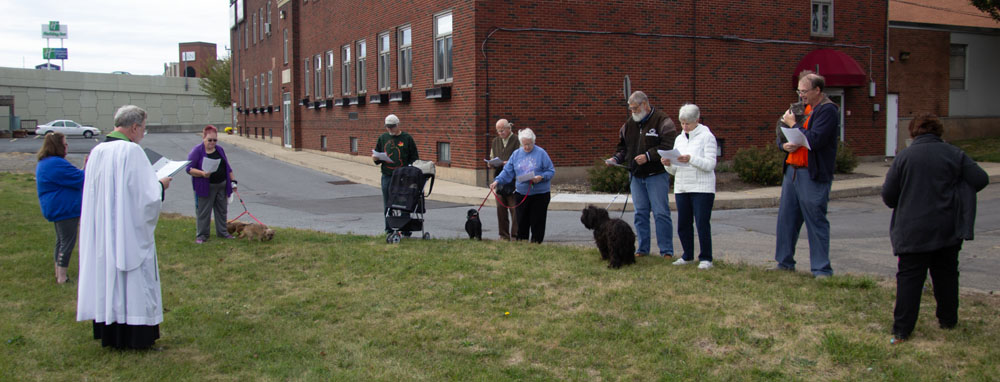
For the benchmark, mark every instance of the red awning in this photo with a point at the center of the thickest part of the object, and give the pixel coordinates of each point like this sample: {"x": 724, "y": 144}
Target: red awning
{"x": 839, "y": 69}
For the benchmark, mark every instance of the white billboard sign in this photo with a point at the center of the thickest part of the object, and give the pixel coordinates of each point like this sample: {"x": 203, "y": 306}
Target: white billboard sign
{"x": 55, "y": 30}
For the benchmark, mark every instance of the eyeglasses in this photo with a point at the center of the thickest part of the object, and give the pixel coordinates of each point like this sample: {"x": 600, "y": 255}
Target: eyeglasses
{"x": 212, "y": 140}
{"x": 635, "y": 108}
{"x": 801, "y": 92}
{"x": 390, "y": 126}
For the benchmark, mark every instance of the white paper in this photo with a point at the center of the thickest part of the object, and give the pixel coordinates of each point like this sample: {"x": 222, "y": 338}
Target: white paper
{"x": 796, "y": 136}
{"x": 381, "y": 156}
{"x": 672, "y": 156}
{"x": 165, "y": 167}
{"x": 209, "y": 165}
{"x": 525, "y": 177}
{"x": 495, "y": 162}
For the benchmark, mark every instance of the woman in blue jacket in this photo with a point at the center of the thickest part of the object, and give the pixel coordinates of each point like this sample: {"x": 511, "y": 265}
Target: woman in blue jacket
{"x": 60, "y": 193}
{"x": 531, "y": 169}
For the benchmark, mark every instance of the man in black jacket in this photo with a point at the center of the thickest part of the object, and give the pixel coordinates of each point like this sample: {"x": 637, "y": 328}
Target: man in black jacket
{"x": 645, "y": 132}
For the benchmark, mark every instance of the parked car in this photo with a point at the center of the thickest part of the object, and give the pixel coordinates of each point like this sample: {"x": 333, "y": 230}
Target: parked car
{"x": 68, "y": 128}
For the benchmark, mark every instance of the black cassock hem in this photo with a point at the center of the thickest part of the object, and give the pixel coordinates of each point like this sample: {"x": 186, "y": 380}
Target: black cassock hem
{"x": 122, "y": 336}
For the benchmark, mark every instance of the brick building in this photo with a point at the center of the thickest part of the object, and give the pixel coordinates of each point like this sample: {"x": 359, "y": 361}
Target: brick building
{"x": 943, "y": 56}
{"x": 321, "y": 75}
{"x": 194, "y": 58}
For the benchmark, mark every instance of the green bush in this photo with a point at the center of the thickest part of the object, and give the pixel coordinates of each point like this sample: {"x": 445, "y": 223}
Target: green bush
{"x": 846, "y": 160}
{"x": 759, "y": 165}
{"x": 604, "y": 178}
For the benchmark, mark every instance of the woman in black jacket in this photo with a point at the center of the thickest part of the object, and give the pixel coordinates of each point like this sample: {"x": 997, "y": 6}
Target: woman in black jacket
{"x": 930, "y": 217}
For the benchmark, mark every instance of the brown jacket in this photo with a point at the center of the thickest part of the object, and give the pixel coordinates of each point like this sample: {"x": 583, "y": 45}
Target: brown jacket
{"x": 656, "y": 132}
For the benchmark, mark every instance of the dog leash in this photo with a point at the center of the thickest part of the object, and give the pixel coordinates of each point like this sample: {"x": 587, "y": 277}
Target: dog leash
{"x": 497, "y": 197}
{"x": 245, "y": 210}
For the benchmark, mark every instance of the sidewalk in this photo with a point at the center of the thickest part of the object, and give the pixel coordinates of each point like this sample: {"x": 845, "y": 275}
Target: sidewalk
{"x": 447, "y": 191}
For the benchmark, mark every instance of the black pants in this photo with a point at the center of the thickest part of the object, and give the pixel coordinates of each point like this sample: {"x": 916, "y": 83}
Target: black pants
{"x": 531, "y": 216}
{"x": 913, "y": 267}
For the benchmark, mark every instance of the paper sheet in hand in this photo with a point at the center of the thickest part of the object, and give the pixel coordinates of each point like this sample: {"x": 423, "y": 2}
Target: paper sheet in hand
{"x": 795, "y": 136}
{"x": 164, "y": 167}
{"x": 381, "y": 156}
{"x": 209, "y": 165}
{"x": 495, "y": 162}
{"x": 672, "y": 156}
{"x": 525, "y": 177}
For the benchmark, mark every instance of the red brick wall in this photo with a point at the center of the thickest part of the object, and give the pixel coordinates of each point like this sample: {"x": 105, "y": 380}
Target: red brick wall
{"x": 568, "y": 86}
{"x": 921, "y": 80}
{"x": 204, "y": 54}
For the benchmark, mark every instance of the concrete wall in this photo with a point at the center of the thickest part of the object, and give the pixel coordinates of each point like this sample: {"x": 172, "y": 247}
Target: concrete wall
{"x": 982, "y": 79}
{"x": 92, "y": 98}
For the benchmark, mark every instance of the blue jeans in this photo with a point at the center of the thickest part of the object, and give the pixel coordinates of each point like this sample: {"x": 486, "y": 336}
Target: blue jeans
{"x": 803, "y": 200}
{"x": 695, "y": 208}
{"x": 651, "y": 193}
{"x": 386, "y": 180}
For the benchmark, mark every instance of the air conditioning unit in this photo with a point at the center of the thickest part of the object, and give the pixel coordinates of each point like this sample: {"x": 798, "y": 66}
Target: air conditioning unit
{"x": 267, "y": 28}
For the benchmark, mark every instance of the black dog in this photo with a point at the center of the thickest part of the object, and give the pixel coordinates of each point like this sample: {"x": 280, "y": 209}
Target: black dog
{"x": 473, "y": 226}
{"x": 614, "y": 237}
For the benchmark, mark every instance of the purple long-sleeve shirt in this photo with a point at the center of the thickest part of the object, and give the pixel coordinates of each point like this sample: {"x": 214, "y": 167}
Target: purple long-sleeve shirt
{"x": 201, "y": 184}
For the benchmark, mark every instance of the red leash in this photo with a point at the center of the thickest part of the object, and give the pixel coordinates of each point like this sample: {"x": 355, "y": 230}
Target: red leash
{"x": 500, "y": 202}
{"x": 245, "y": 210}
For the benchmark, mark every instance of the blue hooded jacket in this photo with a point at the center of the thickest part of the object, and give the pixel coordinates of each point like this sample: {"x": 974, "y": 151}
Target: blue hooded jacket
{"x": 60, "y": 188}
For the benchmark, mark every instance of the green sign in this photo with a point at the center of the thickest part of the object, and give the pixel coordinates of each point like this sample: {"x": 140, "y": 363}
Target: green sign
{"x": 55, "y": 53}
{"x": 53, "y": 26}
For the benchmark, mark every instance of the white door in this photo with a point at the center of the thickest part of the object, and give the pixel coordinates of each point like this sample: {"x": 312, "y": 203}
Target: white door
{"x": 837, "y": 96}
{"x": 891, "y": 124}
{"x": 286, "y": 109}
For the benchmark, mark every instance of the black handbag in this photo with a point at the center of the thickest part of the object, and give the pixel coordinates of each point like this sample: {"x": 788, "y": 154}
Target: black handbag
{"x": 505, "y": 189}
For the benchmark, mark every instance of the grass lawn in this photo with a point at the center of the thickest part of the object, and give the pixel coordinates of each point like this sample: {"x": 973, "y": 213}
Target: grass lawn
{"x": 981, "y": 149}
{"x": 312, "y": 306}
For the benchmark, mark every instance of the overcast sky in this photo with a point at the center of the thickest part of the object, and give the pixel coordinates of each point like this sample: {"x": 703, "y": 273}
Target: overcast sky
{"x": 110, "y": 35}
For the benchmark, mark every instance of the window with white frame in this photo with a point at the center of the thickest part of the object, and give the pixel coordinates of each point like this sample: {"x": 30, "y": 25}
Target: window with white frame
{"x": 263, "y": 91}
{"x": 270, "y": 87}
{"x": 285, "y": 46}
{"x": 345, "y": 70}
{"x": 360, "y": 68}
{"x": 329, "y": 73}
{"x": 822, "y": 18}
{"x": 405, "y": 57}
{"x": 319, "y": 76}
{"x": 269, "y": 16}
{"x": 444, "y": 152}
{"x": 354, "y": 144}
{"x": 260, "y": 16}
{"x": 253, "y": 27}
{"x": 383, "y": 62}
{"x": 245, "y": 94}
{"x": 256, "y": 92}
{"x": 442, "y": 48}
{"x": 307, "y": 78}
{"x": 956, "y": 67}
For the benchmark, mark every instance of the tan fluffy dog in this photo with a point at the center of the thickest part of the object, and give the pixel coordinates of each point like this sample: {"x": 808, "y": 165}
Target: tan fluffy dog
{"x": 257, "y": 231}
{"x": 235, "y": 227}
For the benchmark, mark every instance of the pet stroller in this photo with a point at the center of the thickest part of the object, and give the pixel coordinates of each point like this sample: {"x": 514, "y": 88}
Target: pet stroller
{"x": 407, "y": 199}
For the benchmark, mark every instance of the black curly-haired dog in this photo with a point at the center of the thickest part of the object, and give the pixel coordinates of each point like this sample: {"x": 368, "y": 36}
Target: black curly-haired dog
{"x": 614, "y": 237}
{"x": 473, "y": 226}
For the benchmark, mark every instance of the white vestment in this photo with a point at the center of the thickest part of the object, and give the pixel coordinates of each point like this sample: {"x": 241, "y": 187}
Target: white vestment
{"x": 119, "y": 277}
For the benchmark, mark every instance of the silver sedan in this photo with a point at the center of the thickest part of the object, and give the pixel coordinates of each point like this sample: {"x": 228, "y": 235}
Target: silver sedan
{"x": 68, "y": 128}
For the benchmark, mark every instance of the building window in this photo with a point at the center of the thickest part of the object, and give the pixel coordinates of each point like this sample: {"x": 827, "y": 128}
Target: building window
{"x": 405, "y": 57}
{"x": 383, "y": 62}
{"x": 444, "y": 152}
{"x": 360, "y": 68}
{"x": 269, "y": 17}
{"x": 263, "y": 98}
{"x": 270, "y": 87}
{"x": 285, "y": 46}
{"x": 345, "y": 75}
{"x": 956, "y": 67}
{"x": 329, "y": 74}
{"x": 256, "y": 92}
{"x": 245, "y": 94}
{"x": 306, "y": 64}
{"x": 354, "y": 144}
{"x": 822, "y": 18}
{"x": 253, "y": 26}
{"x": 319, "y": 76}
{"x": 322, "y": 142}
{"x": 260, "y": 16}
{"x": 442, "y": 48}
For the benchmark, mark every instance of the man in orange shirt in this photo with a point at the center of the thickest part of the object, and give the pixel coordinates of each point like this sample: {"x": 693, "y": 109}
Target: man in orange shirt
{"x": 808, "y": 175}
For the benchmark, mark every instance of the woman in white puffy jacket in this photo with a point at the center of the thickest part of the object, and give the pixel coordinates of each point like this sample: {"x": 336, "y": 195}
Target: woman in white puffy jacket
{"x": 694, "y": 185}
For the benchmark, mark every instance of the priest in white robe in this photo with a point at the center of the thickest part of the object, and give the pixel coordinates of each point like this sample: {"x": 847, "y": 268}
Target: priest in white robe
{"x": 119, "y": 279}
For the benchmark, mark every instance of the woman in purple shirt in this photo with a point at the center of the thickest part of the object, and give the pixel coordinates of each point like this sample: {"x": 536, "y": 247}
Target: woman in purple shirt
{"x": 212, "y": 179}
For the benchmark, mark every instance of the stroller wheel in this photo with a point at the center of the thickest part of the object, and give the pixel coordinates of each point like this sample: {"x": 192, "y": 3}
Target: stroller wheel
{"x": 392, "y": 238}
{"x": 427, "y": 235}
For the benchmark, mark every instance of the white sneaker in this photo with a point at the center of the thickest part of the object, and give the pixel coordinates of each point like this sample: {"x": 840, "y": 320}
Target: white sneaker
{"x": 704, "y": 265}
{"x": 681, "y": 261}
